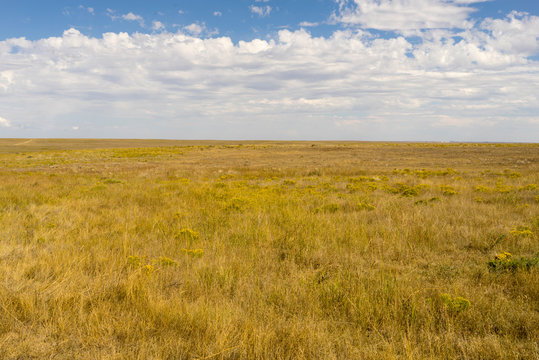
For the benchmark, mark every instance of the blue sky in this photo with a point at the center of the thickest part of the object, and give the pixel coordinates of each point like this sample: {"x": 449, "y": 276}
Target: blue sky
{"x": 268, "y": 69}
{"x": 236, "y": 19}
{"x": 35, "y": 19}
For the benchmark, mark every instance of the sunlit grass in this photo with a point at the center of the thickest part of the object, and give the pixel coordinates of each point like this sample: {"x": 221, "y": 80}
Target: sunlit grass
{"x": 277, "y": 251}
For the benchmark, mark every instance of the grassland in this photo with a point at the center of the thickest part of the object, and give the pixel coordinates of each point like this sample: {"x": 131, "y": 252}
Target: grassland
{"x": 264, "y": 250}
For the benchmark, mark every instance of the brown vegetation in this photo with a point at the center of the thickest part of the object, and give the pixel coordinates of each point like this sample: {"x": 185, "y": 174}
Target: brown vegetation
{"x": 267, "y": 250}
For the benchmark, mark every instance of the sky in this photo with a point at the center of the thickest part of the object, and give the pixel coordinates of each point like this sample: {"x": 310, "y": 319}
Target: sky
{"x": 375, "y": 70}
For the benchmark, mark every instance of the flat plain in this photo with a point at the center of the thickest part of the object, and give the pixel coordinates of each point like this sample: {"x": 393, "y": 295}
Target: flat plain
{"x": 154, "y": 249}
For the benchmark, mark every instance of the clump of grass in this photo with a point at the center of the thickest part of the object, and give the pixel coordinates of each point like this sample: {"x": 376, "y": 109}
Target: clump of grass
{"x": 454, "y": 304}
{"x": 512, "y": 174}
{"x": 482, "y": 188}
{"x": 427, "y": 201}
{"x": 289, "y": 182}
{"x": 187, "y": 233}
{"x": 134, "y": 261}
{"x": 226, "y": 176}
{"x": 424, "y": 173}
{"x": 148, "y": 269}
{"x": 193, "y": 252}
{"x": 112, "y": 181}
{"x": 362, "y": 179}
{"x": 236, "y": 204}
{"x": 220, "y": 185}
{"x": 504, "y": 262}
{"x": 446, "y": 304}
{"x": 365, "y": 187}
{"x": 448, "y": 190}
{"x": 363, "y": 205}
{"x": 528, "y": 187}
{"x": 404, "y": 190}
{"x": 165, "y": 261}
{"x": 521, "y": 231}
{"x": 502, "y": 188}
{"x": 327, "y": 208}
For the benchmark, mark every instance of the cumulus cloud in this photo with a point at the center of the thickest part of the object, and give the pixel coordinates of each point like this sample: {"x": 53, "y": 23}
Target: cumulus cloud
{"x": 133, "y": 17}
{"x": 217, "y": 13}
{"x": 517, "y": 33}
{"x": 195, "y": 29}
{"x": 157, "y": 25}
{"x": 308, "y": 24}
{"x": 261, "y": 11}
{"x": 350, "y": 85}
{"x": 127, "y": 17}
{"x": 402, "y": 15}
{"x": 199, "y": 29}
{"x": 6, "y": 77}
{"x": 4, "y": 122}
{"x": 493, "y": 43}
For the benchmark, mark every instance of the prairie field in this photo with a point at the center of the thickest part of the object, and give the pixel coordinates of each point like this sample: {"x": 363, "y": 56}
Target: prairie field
{"x": 132, "y": 249}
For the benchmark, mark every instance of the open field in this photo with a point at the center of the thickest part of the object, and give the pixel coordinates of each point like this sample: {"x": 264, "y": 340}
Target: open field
{"x": 128, "y": 249}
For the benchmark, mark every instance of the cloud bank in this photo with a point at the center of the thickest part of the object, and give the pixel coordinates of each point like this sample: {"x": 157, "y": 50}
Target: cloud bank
{"x": 4, "y": 122}
{"x": 477, "y": 83}
{"x": 406, "y": 14}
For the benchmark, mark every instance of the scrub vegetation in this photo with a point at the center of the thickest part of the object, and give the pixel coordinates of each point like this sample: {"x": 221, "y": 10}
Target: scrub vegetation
{"x": 266, "y": 250}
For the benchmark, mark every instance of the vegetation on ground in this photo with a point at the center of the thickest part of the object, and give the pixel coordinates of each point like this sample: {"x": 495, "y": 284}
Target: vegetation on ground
{"x": 268, "y": 250}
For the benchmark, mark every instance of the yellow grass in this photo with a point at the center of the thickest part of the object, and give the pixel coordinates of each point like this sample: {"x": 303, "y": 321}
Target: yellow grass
{"x": 264, "y": 250}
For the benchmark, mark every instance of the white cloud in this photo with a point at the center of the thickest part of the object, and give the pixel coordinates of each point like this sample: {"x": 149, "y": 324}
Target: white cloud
{"x": 181, "y": 12}
{"x": 157, "y": 25}
{"x": 6, "y": 78}
{"x": 133, "y": 17}
{"x": 517, "y": 33}
{"x": 199, "y": 29}
{"x": 195, "y": 29}
{"x": 89, "y": 9}
{"x": 217, "y": 13}
{"x": 402, "y": 15}
{"x": 128, "y": 17}
{"x": 308, "y": 24}
{"x": 492, "y": 43}
{"x": 253, "y": 47}
{"x": 4, "y": 122}
{"x": 469, "y": 1}
{"x": 261, "y": 11}
{"x": 349, "y": 85}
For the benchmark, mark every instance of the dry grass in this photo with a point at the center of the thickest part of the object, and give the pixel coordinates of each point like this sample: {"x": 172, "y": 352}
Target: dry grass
{"x": 208, "y": 250}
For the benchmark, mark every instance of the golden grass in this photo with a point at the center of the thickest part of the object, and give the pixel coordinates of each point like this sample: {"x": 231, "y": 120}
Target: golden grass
{"x": 266, "y": 250}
